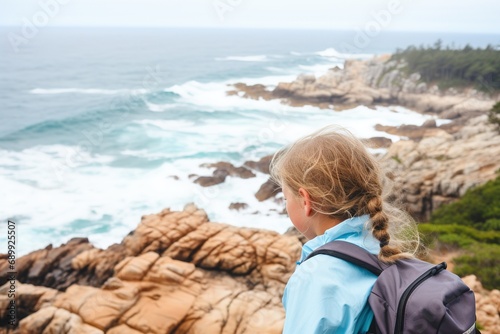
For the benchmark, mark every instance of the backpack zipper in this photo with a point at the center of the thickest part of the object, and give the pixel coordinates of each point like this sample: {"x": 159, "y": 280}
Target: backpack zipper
{"x": 409, "y": 290}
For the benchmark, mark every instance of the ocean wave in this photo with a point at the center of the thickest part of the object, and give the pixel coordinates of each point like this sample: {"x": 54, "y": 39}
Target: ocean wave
{"x": 333, "y": 53}
{"x": 161, "y": 107}
{"x": 212, "y": 96}
{"x": 95, "y": 91}
{"x": 319, "y": 69}
{"x": 256, "y": 58}
{"x": 167, "y": 124}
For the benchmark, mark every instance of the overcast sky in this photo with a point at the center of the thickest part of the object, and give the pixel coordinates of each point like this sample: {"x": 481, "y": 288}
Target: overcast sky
{"x": 478, "y": 16}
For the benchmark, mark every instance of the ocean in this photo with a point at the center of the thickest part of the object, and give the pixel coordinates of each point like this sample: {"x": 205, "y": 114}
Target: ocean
{"x": 101, "y": 126}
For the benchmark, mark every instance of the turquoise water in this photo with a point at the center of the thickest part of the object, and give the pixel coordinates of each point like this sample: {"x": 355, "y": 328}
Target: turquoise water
{"x": 94, "y": 123}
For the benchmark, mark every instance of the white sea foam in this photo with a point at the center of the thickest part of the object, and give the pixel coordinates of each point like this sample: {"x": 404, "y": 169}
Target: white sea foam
{"x": 95, "y": 91}
{"x": 332, "y": 53}
{"x": 119, "y": 196}
{"x": 213, "y": 96}
{"x": 161, "y": 107}
{"x": 257, "y": 58}
{"x": 168, "y": 124}
{"x": 319, "y": 69}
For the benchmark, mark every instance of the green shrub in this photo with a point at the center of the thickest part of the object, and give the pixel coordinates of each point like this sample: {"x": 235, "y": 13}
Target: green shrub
{"x": 455, "y": 235}
{"x": 479, "y": 208}
{"x": 471, "y": 224}
{"x": 481, "y": 250}
{"x": 494, "y": 115}
{"x": 482, "y": 260}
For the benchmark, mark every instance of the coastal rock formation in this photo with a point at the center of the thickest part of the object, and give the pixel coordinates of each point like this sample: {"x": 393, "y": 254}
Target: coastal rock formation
{"x": 177, "y": 272}
{"x": 379, "y": 80}
{"x": 262, "y": 165}
{"x": 267, "y": 190}
{"x": 441, "y": 167}
{"x": 222, "y": 170}
{"x": 51, "y": 267}
{"x": 487, "y": 305}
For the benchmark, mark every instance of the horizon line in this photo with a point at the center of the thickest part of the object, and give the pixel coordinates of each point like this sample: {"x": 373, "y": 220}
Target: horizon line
{"x": 254, "y": 28}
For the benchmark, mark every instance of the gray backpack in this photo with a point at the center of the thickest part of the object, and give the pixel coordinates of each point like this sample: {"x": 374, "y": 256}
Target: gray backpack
{"x": 411, "y": 296}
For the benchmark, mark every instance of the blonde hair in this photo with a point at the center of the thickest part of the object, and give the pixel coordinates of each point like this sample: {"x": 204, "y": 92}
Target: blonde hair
{"x": 344, "y": 180}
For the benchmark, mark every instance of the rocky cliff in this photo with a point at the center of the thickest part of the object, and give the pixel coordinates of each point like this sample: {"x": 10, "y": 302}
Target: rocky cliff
{"x": 441, "y": 166}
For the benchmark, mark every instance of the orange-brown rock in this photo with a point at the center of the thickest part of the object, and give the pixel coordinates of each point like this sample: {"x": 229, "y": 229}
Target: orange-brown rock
{"x": 177, "y": 273}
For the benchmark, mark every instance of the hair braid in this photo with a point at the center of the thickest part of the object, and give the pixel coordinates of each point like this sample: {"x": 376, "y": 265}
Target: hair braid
{"x": 380, "y": 230}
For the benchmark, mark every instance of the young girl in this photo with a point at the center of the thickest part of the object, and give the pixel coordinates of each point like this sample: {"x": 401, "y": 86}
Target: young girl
{"x": 333, "y": 191}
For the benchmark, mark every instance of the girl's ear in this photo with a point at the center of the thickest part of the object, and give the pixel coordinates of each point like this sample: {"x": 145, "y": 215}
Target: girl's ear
{"x": 306, "y": 202}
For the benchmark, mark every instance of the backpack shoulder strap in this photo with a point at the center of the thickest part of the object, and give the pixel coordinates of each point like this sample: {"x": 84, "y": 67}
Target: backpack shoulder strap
{"x": 351, "y": 253}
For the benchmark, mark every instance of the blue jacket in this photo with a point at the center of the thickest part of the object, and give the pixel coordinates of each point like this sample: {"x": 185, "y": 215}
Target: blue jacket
{"x": 329, "y": 295}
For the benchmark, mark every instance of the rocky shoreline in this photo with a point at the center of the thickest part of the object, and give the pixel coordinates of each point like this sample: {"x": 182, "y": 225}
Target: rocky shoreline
{"x": 377, "y": 81}
{"x": 179, "y": 272}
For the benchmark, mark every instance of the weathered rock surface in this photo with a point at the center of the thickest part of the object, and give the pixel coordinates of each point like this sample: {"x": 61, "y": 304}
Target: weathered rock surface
{"x": 262, "y": 165}
{"x": 487, "y": 305}
{"x": 222, "y": 170}
{"x": 267, "y": 190}
{"x": 441, "y": 167}
{"x": 378, "y": 142}
{"x": 238, "y": 206}
{"x": 51, "y": 267}
{"x": 177, "y": 272}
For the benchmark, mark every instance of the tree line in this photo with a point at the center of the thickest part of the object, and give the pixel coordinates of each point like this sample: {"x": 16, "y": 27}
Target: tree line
{"x": 454, "y": 67}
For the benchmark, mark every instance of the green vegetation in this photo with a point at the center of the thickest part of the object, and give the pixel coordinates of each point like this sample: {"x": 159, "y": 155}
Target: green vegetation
{"x": 478, "y": 208}
{"x": 494, "y": 115}
{"x": 472, "y": 224}
{"x": 397, "y": 159}
{"x": 449, "y": 67}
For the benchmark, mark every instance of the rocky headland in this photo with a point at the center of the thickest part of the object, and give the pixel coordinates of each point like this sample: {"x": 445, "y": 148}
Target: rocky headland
{"x": 377, "y": 81}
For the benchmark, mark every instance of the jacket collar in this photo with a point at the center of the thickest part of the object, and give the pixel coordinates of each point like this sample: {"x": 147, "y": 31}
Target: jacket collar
{"x": 352, "y": 227}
